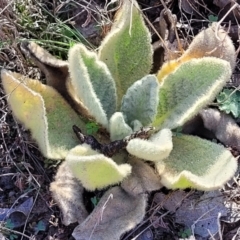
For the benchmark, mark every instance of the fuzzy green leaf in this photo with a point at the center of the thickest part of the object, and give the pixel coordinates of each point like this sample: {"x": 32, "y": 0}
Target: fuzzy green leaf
{"x": 44, "y": 112}
{"x": 189, "y": 89}
{"x": 94, "y": 170}
{"x": 156, "y": 148}
{"x": 56, "y": 74}
{"x": 141, "y": 100}
{"x": 211, "y": 42}
{"x": 229, "y": 102}
{"x": 118, "y": 128}
{"x": 196, "y": 163}
{"x": 136, "y": 125}
{"x": 127, "y": 49}
{"x": 93, "y": 83}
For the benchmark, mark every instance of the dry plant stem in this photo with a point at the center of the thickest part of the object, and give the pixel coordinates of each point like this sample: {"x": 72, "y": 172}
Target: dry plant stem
{"x": 219, "y": 226}
{"x": 175, "y": 29}
{"x": 193, "y": 226}
{"x": 16, "y": 232}
{"x": 235, "y": 90}
{"x": 100, "y": 217}
{"x": 7, "y": 174}
{"x": 142, "y": 223}
{"x": 155, "y": 209}
{"x": 162, "y": 40}
{"x": 111, "y": 10}
{"x": 25, "y": 225}
{"x": 6, "y": 6}
{"x": 219, "y": 23}
{"x": 85, "y": 8}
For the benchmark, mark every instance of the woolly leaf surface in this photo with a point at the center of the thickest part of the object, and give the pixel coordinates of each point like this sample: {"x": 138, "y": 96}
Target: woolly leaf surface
{"x": 211, "y": 42}
{"x": 44, "y": 112}
{"x": 141, "y": 100}
{"x": 101, "y": 80}
{"x": 116, "y": 213}
{"x": 68, "y": 193}
{"x": 189, "y": 89}
{"x": 127, "y": 49}
{"x": 136, "y": 125}
{"x": 56, "y": 73}
{"x": 55, "y": 70}
{"x": 196, "y": 163}
{"x": 80, "y": 62}
{"x": 223, "y": 126}
{"x": 143, "y": 178}
{"x": 118, "y": 127}
{"x": 94, "y": 170}
{"x": 156, "y": 148}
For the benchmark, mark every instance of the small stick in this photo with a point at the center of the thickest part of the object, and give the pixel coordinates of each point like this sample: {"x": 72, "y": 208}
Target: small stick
{"x": 114, "y": 147}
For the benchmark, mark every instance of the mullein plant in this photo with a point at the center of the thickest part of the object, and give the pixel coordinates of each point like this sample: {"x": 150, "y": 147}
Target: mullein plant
{"x": 138, "y": 114}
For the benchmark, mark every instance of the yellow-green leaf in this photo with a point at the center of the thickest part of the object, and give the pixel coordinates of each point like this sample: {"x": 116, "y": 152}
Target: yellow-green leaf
{"x": 196, "y": 163}
{"x": 156, "y": 148}
{"x": 43, "y": 111}
{"x": 94, "y": 170}
{"x": 127, "y": 49}
{"x": 189, "y": 89}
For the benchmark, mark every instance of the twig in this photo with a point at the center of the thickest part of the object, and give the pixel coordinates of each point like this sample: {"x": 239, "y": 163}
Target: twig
{"x": 16, "y": 232}
{"x": 113, "y": 147}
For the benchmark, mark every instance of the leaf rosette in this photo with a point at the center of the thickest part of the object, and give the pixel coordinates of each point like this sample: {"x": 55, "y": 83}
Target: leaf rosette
{"x": 114, "y": 90}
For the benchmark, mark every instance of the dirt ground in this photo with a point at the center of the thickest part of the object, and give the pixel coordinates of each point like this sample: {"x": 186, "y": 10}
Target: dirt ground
{"x": 25, "y": 175}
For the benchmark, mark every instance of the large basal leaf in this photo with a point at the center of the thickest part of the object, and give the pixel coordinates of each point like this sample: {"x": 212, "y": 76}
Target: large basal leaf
{"x": 127, "y": 48}
{"x": 189, "y": 89}
{"x": 141, "y": 100}
{"x": 92, "y": 83}
{"x": 68, "y": 193}
{"x": 55, "y": 70}
{"x": 44, "y": 112}
{"x": 116, "y": 213}
{"x": 156, "y": 148}
{"x": 56, "y": 74}
{"x": 94, "y": 170}
{"x": 211, "y": 42}
{"x": 196, "y": 163}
